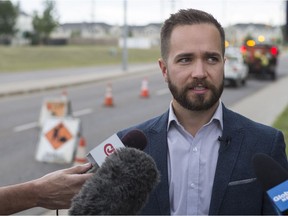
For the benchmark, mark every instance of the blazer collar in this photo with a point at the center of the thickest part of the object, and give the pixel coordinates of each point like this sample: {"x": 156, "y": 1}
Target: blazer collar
{"x": 228, "y": 154}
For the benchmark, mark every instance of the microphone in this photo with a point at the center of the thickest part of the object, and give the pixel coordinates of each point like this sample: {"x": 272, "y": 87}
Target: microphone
{"x": 121, "y": 186}
{"x": 224, "y": 140}
{"x": 134, "y": 138}
{"x": 274, "y": 179}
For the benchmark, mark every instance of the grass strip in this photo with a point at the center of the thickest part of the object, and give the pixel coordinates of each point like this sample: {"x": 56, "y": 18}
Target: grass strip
{"x": 281, "y": 123}
{"x": 17, "y": 59}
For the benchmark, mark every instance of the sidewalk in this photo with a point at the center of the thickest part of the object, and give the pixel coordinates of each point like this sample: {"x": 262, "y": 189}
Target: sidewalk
{"x": 265, "y": 105}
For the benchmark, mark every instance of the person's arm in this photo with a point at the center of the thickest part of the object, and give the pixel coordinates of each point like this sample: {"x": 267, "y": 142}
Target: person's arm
{"x": 52, "y": 191}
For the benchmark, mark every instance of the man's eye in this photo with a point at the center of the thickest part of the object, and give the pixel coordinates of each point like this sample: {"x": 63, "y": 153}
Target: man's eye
{"x": 212, "y": 60}
{"x": 184, "y": 60}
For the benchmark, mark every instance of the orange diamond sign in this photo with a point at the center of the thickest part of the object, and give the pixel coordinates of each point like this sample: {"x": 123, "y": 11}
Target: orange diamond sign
{"x": 58, "y": 136}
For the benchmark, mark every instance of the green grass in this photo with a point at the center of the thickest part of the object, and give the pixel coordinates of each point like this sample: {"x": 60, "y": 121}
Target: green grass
{"x": 282, "y": 124}
{"x": 13, "y": 59}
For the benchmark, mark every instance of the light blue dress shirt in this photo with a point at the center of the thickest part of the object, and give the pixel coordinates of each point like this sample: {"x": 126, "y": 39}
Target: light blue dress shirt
{"x": 192, "y": 164}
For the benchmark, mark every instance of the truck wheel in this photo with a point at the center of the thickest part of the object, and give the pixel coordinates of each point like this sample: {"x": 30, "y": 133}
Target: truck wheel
{"x": 237, "y": 83}
{"x": 273, "y": 75}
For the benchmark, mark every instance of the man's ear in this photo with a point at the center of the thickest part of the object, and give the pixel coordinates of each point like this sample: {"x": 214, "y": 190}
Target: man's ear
{"x": 163, "y": 67}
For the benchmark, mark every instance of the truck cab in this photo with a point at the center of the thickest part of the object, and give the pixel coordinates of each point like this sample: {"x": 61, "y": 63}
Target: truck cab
{"x": 261, "y": 59}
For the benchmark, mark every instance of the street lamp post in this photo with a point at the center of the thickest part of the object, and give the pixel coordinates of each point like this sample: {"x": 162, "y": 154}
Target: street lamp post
{"x": 125, "y": 34}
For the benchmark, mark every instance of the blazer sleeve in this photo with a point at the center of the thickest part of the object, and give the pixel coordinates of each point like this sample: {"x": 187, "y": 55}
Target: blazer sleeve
{"x": 278, "y": 151}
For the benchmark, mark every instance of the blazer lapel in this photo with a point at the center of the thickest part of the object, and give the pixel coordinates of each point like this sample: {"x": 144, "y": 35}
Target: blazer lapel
{"x": 158, "y": 135}
{"x": 227, "y": 158}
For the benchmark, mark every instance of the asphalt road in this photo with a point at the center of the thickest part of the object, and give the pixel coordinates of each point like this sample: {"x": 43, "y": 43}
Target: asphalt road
{"x": 19, "y": 115}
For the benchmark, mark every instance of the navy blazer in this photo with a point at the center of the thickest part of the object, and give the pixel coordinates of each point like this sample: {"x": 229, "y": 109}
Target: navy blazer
{"x": 235, "y": 190}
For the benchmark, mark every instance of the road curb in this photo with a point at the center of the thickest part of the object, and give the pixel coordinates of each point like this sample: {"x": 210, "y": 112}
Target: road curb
{"x": 29, "y": 86}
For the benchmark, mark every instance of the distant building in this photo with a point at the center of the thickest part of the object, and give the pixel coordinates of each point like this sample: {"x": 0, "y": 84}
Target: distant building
{"x": 83, "y": 30}
{"x": 23, "y": 25}
{"x": 150, "y": 31}
{"x": 145, "y": 36}
{"x": 148, "y": 35}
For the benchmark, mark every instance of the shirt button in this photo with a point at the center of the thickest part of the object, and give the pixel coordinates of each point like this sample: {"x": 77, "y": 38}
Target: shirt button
{"x": 192, "y": 185}
{"x": 195, "y": 149}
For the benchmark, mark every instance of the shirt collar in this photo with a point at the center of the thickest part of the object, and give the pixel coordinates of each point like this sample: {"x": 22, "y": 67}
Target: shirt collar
{"x": 218, "y": 116}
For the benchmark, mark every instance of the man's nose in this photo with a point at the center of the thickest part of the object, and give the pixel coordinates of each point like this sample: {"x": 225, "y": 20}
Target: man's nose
{"x": 198, "y": 70}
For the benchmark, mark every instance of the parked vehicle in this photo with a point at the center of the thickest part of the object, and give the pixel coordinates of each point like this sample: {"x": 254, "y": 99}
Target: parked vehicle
{"x": 236, "y": 71}
{"x": 261, "y": 59}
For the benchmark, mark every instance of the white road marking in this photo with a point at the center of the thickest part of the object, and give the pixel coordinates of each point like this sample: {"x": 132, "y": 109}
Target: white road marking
{"x": 82, "y": 112}
{"x": 32, "y": 125}
{"x": 26, "y": 127}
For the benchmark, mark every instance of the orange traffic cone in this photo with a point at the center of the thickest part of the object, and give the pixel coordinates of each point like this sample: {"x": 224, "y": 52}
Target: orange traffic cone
{"x": 64, "y": 93}
{"x": 64, "y": 96}
{"x": 80, "y": 157}
{"x": 144, "y": 89}
{"x": 108, "y": 102}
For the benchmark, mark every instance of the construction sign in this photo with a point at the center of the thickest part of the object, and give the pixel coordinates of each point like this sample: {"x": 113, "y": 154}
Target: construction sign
{"x": 58, "y": 136}
{"x": 58, "y": 140}
{"x": 55, "y": 107}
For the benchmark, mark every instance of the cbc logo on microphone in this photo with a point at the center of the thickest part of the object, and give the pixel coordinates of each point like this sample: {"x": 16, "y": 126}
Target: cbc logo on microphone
{"x": 108, "y": 149}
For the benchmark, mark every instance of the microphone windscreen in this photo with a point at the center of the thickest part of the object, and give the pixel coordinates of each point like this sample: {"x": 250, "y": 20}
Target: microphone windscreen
{"x": 268, "y": 171}
{"x": 120, "y": 186}
{"x": 135, "y": 139}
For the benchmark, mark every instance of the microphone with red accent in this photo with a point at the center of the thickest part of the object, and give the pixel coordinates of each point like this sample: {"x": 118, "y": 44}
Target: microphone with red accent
{"x": 274, "y": 179}
{"x": 134, "y": 138}
{"x": 120, "y": 186}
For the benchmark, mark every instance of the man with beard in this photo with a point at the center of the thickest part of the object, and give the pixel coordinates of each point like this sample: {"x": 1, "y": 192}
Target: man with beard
{"x": 202, "y": 149}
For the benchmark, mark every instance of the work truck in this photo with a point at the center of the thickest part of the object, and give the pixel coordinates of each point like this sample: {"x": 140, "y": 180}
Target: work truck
{"x": 261, "y": 59}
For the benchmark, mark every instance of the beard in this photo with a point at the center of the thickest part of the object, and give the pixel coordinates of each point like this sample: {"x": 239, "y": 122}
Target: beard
{"x": 199, "y": 102}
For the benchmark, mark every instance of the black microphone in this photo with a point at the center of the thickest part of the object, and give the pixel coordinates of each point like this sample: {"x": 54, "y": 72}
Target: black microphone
{"x": 120, "y": 186}
{"x": 224, "y": 140}
{"x": 274, "y": 179}
{"x": 135, "y": 139}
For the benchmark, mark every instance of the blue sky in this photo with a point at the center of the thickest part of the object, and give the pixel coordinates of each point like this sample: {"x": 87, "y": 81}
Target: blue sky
{"x": 147, "y": 11}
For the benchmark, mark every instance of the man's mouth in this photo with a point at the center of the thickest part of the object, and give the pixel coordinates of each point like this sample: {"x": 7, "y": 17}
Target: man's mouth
{"x": 199, "y": 88}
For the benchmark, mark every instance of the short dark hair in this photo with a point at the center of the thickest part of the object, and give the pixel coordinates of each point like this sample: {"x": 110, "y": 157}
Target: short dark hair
{"x": 187, "y": 17}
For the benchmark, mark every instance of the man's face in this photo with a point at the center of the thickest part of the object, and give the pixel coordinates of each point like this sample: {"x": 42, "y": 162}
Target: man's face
{"x": 194, "y": 68}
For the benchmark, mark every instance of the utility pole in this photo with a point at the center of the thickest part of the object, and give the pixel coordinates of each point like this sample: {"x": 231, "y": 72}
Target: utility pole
{"x": 93, "y": 18}
{"x": 92, "y": 11}
{"x": 286, "y": 24}
{"x": 125, "y": 35}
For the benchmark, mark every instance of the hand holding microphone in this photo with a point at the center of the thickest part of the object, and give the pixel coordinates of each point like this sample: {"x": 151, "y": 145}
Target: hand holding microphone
{"x": 120, "y": 186}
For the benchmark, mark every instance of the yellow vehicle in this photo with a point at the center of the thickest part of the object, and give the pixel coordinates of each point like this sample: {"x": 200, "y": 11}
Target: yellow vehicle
{"x": 261, "y": 59}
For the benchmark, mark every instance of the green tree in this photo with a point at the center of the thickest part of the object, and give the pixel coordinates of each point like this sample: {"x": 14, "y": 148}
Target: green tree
{"x": 8, "y": 18}
{"x": 45, "y": 24}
